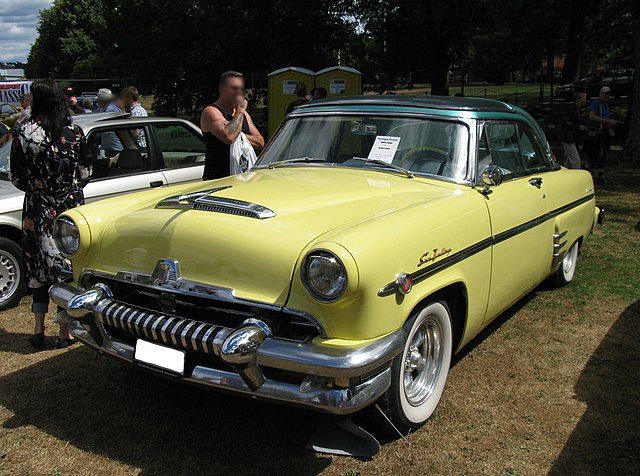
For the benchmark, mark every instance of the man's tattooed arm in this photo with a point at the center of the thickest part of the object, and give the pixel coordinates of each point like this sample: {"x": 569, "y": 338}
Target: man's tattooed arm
{"x": 235, "y": 124}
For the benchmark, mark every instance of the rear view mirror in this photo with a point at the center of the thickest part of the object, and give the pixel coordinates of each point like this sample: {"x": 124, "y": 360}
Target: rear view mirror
{"x": 361, "y": 128}
{"x": 491, "y": 177}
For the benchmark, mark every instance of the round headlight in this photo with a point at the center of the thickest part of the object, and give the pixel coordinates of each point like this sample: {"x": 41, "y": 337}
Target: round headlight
{"x": 66, "y": 236}
{"x": 324, "y": 276}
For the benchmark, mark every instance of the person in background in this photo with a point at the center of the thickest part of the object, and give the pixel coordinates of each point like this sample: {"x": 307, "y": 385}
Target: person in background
{"x": 301, "y": 92}
{"x": 318, "y": 93}
{"x": 87, "y": 105}
{"x": 25, "y": 103}
{"x": 106, "y": 101}
{"x": 119, "y": 102}
{"x": 569, "y": 129}
{"x": 131, "y": 96}
{"x": 72, "y": 101}
{"x": 597, "y": 149}
{"x": 222, "y": 122}
{"x": 74, "y": 106}
{"x": 50, "y": 161}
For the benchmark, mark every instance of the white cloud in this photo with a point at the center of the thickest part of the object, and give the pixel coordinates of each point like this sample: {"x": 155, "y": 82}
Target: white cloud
{"x": 18, "y": 23}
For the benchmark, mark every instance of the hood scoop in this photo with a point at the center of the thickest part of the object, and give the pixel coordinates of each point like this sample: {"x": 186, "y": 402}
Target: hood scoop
{"x": 204, "y": 201}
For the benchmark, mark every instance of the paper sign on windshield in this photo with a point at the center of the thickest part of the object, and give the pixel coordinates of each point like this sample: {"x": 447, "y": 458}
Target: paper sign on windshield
{"x": 384, "y": 148}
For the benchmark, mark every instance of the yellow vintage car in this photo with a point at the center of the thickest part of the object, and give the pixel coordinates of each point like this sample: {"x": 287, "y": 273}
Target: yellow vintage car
{"x": 373, "y": 240}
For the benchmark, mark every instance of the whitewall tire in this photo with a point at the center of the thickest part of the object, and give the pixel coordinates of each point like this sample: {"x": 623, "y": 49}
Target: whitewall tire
{"x": 567, "y": 269}
{"x": 419, "y": 373}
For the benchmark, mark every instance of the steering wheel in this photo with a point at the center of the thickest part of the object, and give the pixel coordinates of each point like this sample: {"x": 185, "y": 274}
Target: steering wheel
{"x": 426, "y": 154}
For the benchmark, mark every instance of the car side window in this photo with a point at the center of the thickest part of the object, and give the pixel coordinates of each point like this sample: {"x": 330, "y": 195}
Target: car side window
{"x": 117, "y": 152}
{"x": 179, "y": 145}
{"x": 531, "y": 153}
{"x": 499, "y": 146}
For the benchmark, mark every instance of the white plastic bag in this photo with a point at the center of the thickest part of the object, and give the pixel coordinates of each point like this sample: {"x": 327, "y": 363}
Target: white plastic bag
{"x": 242, "y": 157}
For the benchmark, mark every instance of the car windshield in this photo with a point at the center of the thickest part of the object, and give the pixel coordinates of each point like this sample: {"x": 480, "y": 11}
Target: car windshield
{"x": 5, "y": 152}
{"x": 423, "y": 146}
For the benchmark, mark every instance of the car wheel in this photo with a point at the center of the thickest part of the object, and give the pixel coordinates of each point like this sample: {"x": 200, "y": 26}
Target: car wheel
{"x": 12, "y": 280}
{"x": 567, "y": 269}
{"x": 419, "y": 373}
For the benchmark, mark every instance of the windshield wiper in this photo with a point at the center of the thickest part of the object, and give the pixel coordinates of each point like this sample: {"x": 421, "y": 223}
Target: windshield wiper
{"x": 408, "y": 173}
{"x": 308, "y": 160}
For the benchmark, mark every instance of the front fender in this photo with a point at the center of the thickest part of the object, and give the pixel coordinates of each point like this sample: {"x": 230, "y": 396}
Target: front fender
{"x": 386, "y": 246}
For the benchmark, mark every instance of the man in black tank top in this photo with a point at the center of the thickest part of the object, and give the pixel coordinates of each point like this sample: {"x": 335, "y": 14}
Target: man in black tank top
{"x": 222, "y": 122}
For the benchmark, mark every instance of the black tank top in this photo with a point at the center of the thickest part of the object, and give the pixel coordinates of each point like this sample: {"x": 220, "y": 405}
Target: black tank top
{"x": 216, "y": 163}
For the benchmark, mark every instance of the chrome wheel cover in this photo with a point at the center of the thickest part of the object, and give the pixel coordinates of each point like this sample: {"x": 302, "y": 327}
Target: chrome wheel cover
{"x": 9, "y": 275}
{"x": 423, "y": 362}
{"x": 569, "y": 261}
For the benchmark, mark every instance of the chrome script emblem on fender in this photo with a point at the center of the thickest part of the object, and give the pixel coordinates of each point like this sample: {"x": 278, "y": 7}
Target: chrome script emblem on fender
{"x": 433, "y": 255}
{"x": 167, "y": 271}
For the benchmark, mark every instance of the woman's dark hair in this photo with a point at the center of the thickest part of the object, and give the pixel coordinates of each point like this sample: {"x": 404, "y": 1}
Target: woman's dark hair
{"x": 49, "y": 107}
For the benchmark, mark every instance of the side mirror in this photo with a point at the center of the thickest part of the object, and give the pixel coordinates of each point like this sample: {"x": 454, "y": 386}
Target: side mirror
{"x": 491, "y": 177}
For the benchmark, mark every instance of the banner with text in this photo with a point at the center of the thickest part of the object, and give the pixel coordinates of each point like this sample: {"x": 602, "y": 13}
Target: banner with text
{"x": 10, "y": 91}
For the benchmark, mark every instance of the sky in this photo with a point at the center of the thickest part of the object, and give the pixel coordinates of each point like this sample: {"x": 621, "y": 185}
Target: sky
{"x": 18, "y": 23}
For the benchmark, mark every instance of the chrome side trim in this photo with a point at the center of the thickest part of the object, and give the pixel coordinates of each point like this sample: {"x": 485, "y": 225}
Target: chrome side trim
{"x": 205, "y": 202}
{"x": 558, "y": 251}
{"x": 423, "y": 273}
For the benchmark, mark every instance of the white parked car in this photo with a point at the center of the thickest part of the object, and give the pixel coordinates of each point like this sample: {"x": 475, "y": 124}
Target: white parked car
{"x": 131, "y": 154}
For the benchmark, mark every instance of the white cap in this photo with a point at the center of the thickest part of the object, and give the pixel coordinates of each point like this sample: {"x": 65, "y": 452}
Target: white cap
{"x": 605, "y": 89}
{"x": 105, "y": 94}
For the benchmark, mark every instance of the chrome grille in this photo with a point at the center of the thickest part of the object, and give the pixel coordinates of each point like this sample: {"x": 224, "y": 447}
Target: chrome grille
{"x": 175, "y": 331}
{"x": 197, "y": 302}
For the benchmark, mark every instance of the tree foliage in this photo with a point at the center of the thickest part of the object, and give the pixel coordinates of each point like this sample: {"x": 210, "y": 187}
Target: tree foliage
{"x": 176, "y": 50}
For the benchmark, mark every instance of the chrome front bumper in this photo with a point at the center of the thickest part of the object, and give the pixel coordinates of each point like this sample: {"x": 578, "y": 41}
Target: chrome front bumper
{"x": 245, "y": 351}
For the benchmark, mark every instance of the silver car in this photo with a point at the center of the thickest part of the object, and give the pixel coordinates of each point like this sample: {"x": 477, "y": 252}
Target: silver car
{"x": 130, "y": 154}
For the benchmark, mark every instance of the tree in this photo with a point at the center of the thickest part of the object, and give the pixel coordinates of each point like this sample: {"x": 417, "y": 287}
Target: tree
{"x": 70, "y": 38}
{"x": 421, "y": 35}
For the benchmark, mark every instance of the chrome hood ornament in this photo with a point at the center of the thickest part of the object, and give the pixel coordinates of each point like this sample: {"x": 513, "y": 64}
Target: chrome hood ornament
{"x": 167, "y": 271}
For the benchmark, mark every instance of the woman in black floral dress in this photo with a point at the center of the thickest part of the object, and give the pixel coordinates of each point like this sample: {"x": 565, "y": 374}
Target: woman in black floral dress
{"x": 49, "y": 162}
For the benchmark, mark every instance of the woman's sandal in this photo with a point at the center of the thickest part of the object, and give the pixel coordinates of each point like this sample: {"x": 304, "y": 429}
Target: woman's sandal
{"x": 64, "y": 343}
{"x": 37, "y": 339}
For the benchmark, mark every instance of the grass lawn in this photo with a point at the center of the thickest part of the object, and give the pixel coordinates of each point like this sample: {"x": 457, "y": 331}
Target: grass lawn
{"x": 550, "y": 387}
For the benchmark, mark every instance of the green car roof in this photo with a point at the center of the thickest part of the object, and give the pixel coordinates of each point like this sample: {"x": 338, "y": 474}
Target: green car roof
{"x": 450, "y": 106}
{"x": 426, "y": 102}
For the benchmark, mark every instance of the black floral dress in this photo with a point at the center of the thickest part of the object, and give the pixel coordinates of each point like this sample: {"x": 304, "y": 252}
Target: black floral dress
{"x": 51, "y": 173}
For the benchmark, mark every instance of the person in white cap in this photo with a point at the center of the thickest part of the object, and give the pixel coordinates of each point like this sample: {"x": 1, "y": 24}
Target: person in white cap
{"x": 105, "y": 101}
{"x": 599, "y": 134}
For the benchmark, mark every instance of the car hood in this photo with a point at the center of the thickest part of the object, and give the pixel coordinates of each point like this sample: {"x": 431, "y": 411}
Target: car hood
{"x": 255, "y": 257}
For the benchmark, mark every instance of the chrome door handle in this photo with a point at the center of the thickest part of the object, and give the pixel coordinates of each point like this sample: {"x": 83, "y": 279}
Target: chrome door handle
{"x": 536, "y": 182}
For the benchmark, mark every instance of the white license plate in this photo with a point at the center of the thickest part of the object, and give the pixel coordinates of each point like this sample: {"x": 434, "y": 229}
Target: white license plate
{"x": 160, "y": 356}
